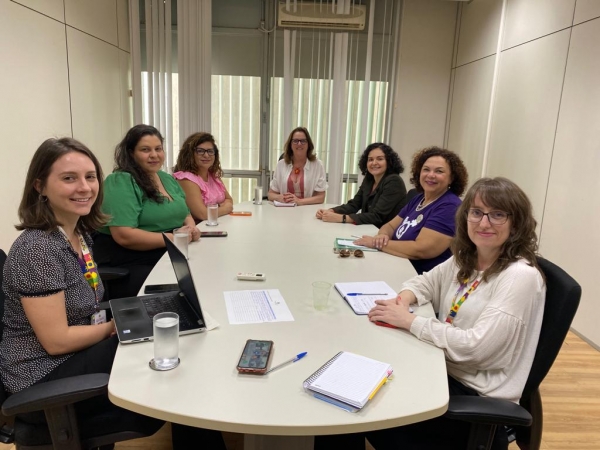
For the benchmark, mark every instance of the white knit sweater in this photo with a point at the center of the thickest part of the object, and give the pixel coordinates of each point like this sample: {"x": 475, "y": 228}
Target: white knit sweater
{"x": 491, "y": 345}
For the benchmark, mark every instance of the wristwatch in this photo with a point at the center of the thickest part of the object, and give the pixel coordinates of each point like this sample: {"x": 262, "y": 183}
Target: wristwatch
{"x": 344, "y": 218}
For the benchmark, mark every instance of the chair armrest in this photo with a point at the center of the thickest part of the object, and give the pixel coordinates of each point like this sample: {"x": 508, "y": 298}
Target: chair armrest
{"x": 112, "y": 273}
{"x": 56, "y": 393}
{"x": 487, "y": 410}
{"x": 104, "y": 306}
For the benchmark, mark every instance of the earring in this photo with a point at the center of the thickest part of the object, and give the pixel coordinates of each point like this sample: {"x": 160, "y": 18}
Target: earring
{"x": 43, "y": 198}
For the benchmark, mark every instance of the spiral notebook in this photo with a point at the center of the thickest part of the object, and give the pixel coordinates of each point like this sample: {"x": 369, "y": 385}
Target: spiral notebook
{"x": 348, "y": 380}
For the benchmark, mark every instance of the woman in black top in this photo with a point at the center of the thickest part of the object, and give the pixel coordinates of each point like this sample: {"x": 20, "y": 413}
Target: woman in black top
{"x": 381, "y": 195}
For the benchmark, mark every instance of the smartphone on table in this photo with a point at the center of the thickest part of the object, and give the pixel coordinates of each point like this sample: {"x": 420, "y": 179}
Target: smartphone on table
{"x": 213, "y": 234}
{"x": 255, "y": 357}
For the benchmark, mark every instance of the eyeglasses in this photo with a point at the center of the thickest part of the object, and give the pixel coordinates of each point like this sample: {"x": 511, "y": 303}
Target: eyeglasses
{"x": 345, "y": 253}
{"x": 204, "y": 151}
{"x": 299, "y": 141}
{"x": 494, "y": 217}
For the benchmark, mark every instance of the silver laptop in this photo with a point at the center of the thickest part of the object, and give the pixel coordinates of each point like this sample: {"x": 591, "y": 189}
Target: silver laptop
{"x": 133, "y": 315}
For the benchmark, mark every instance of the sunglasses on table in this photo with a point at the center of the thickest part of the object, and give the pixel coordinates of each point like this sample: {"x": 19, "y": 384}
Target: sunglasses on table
{"x": 345, "y": 253}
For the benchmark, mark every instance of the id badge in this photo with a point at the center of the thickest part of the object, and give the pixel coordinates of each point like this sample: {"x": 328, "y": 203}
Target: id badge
{"x": 98, "y": 318}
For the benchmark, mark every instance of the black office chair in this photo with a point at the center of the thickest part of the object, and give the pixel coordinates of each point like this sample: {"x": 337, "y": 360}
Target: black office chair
{"x": 485, "y": 414}
{"x": 412, "y": 193}
{"x": 56, "y": 398}
{"x": 6, "y": 423}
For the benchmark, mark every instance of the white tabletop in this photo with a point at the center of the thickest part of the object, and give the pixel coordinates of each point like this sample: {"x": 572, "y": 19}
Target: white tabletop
{"x": 293, "y": 249}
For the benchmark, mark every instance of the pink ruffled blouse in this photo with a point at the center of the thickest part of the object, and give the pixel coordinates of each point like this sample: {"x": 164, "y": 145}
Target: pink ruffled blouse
{"x": 213, "y": 190}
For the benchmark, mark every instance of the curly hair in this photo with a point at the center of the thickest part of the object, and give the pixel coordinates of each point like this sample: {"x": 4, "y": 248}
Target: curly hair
{"x": 458, "y": 171}
{"x": 124, "y": 161}
{"x": 393, "y": 161}
{"x": 504, "y": 195}
{"x": 35, "y": 212}
{"x": 288, "y": 153}
{"x": 186, "y": 160}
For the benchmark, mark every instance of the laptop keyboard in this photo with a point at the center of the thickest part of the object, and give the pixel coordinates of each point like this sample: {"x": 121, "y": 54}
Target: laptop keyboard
{"x": 158, "y": 304}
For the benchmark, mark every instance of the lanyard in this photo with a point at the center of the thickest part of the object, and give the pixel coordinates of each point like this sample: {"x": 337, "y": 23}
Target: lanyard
{"x": 87, "y": 265}
{"x": 457, "y": 304}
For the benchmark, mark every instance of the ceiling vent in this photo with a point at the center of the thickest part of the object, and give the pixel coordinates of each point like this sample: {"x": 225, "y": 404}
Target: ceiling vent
{"x": 317, "y": 15}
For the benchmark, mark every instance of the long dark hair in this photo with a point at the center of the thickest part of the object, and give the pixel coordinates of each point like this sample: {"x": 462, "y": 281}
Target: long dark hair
{"x": 502, "y": 194}
{"x": 458, "y": 171}
{"x": 35, "y": 211}
{"x": 186, "y": 160}
{"x": 124, "y": 161}
{"x": 393, "y": 161}
{"x": 288, "y": 153}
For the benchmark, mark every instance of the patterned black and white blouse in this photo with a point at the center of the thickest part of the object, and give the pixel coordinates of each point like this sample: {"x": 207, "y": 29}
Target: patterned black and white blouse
{"x": 39, "y": 264}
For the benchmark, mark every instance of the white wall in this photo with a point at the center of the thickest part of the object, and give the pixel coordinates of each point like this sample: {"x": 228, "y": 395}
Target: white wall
{"x": 544, "y": 121}
{"x": 61, "y": 78}
{"x": 423, "y": 80}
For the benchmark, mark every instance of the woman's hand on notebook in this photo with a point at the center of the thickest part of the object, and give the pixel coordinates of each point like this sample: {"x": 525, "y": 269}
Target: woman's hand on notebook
{"x": 393, "y": 312}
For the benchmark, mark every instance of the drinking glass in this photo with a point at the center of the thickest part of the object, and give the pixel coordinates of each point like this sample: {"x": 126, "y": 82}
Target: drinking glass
{"x": 321, "y": 294}
{"x": 258, "y": 195}
{"x": 180, "y": 239}
{"x": 213, "y": 215}
{"x": 166, "y": 341}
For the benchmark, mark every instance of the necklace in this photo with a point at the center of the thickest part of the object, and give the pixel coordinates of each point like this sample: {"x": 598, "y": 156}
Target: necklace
{"x": 296, "y": 170}
{"x": 457, "y": 304}
{"x": 421, "y": 206}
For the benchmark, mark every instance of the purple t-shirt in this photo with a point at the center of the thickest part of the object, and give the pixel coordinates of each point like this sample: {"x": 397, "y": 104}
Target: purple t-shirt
{"x": 437, "y": 216}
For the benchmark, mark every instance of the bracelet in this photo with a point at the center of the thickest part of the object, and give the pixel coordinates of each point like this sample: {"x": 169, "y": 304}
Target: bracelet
{"x": 344, "y": 218}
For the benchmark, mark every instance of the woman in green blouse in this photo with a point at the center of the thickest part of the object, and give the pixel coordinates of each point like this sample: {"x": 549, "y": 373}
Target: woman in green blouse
{"x": 143, "y": 202}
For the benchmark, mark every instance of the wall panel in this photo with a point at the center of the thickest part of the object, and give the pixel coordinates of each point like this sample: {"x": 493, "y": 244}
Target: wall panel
{"x": 586, "y": 10}
{"x": 98, "y": 18}
{"x": 479, "y": 26}
{"x": 572, "y": 211}
{"x": 123, "y": 24}
{"x": 525, "y": 114}
{"x": 51, "y": 8}
{"x": 423, "y": 80}
{"x": 35, "y": 99}
{"x": 96, "y": 94}
{"x": 469, "y": 113}
{"x": 530, "y": 19}
{"x": 126, "y": 97}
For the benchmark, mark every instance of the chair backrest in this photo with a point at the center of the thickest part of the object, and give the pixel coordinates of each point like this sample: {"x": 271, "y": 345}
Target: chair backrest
{"x": 562, "y": 299}
{"x": 3, "y": 419}
{"x": 2, "y": 298}
{"x": 412, "y": 193}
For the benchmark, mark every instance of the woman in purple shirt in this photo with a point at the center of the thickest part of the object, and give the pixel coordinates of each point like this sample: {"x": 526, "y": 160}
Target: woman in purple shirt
{"x": 424, "y": 228}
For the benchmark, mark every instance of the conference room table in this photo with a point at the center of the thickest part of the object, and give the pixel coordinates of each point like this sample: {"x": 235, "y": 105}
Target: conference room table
{"x": 294, "y": 249}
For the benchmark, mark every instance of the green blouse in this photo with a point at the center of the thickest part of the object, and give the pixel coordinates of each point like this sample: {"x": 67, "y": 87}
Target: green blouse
{"x": 127, "y": 205}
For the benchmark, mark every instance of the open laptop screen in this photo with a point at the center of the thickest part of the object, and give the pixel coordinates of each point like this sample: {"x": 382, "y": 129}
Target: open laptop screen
{"x": 183, "y": 275}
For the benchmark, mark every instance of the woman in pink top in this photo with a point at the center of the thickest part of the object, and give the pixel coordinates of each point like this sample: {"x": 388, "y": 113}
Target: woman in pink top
{"x": 198, "y": 171}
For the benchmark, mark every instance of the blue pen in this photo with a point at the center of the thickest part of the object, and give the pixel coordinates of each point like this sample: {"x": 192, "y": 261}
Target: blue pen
{"x": 354, "y": 294}
{"x": 298, "y": 357}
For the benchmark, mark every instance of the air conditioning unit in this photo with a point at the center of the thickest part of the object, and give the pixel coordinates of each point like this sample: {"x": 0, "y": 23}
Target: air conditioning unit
{"x": 318, "y": 15}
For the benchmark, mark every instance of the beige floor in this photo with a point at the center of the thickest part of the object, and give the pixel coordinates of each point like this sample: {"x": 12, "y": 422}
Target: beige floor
{"x": 570, "y": 393}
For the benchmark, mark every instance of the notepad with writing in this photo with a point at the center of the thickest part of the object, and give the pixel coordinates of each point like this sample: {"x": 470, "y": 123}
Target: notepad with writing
{"x": 361, "y": 296}
{"x": 348, "y": 380}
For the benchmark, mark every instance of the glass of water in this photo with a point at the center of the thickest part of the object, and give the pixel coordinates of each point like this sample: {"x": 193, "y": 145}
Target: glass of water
{"x": 166, "y": 341}
{"x": 321, "y": 294}
{"x": 181, "y": 237}
{"x": 213, "y": 215}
